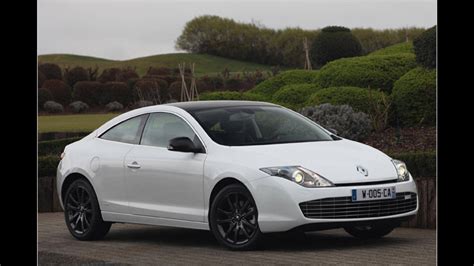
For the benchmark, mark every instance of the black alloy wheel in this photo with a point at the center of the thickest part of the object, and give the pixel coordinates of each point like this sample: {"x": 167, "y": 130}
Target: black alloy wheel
{"x": 82, "y": 213}
{"x": 233, "y": 218}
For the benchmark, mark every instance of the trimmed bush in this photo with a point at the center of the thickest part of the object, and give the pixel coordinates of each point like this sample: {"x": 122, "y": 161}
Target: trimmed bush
{"x": 115, "y": 91}
{"x": 60, "y": 91}
{"x": 88, "y": 92}
{"x": 47, "y": 165}
{"x": 235, "y": 84}
{"x": 231, "y": 95}
{"x": 141, "y": 103}
{"x": 333, "y": 43}
{"x": 114, "y": 106}
{"x": 78, "y": 107}
{"x": 399, "y": 48}
{"x": 53, "y": 107}
{"x": 425, "y": 48}
{"x": 41, "y": 79}
{"x": 50, "y": 71}
{"x": 361, "y": 99}
{"x": 161, "y": 71}
{"x": 419, "y": 164}
{"x": 348, "y": 123}
{"x": 414, "y": 98}
{"x": 72, "y": 76}
{"x": 44, "y": 95}
{"x": 54, "y": 147}
{"x": 376, "y": 72}
{"x": 269, "y": 86}
{"x": 213, "y": 83}
{"x": 295, "y": 95}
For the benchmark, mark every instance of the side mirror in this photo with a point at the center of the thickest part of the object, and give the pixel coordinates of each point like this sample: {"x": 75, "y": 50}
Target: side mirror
{"x": 183, "y": 144}
{"x": 333, "y": 131}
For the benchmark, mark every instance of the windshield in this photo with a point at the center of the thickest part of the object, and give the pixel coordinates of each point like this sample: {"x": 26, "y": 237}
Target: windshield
{"x": 257, "y": 125}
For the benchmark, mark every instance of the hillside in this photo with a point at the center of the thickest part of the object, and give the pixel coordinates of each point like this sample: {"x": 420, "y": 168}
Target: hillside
{"x": 205, "y": 64}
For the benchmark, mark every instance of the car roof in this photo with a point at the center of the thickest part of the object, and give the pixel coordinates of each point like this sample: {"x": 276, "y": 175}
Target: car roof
{"x": 203, "y": 105}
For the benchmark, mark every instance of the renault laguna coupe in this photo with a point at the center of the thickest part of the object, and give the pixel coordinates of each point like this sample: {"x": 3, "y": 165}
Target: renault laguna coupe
{"x": 237, "y": 168}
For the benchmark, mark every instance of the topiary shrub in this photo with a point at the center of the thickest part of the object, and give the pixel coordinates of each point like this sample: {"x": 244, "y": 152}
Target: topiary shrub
{"x": 295, "y": 95}
{"x": 126, "y": 74}
{"x": 60, "y": 91}
{"x": 41, "y": 79}
{"x": 348, "y": 123}
{"x": 399, "y": 48}
{"x": 414, "y": 98}
{"x": 88, "y": 92}
{"x": 115, "y": 91}
{"x": 114, "y": 106}
{"x": 425, "y": 48}
{"x": 78, "y": 107}
{"x": 50, "y": 71}
{"x": 53, "y": 107}
{"x": 213, "y": 83}
{"x": 141, "y": 103}
{"x": 160, "y": 71}
{"x": 235, "y": 84}
{"x": 150, "y": 90}
{"x": 44, "y": 95}
{"x": 71, "y": 76}
{"x": 116, "y": 74}
{"x": 269, "y": 86}
{"x": 377, "y": 72}
{"x": 55, "y": 146}
{"x": 48, "y": 165}
{"x": 333, "y": 43}
{"x": 231, "y": 95}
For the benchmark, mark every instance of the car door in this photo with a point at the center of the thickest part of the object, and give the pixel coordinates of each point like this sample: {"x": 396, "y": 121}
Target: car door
{"x": 110, "y": 150}
{"x": 163, "y": 183}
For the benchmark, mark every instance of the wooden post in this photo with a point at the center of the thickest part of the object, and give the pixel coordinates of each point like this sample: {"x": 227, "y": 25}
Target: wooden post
{"x": 307, "y": 63}
{"x": 184, "y": 90}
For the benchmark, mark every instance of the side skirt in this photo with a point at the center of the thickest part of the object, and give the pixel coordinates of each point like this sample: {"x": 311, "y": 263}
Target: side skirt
{"x": 150, "y": 220}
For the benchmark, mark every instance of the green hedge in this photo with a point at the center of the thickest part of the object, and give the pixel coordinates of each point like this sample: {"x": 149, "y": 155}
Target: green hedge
{"x": 47, "y": 165}
{"x": 425, "y": 48}
{"x": 376, "y": 72}
{"x": 295, "y": 95}
{"x": 414, "y": 98}
{"x": 399, "y": 48}
{"x": 231, "y": 95}
{"x": 361, "y": 99}
{"x": 54, "y": 147}
{"x": 269, "y": 86}
{"x": 420, "y": 164}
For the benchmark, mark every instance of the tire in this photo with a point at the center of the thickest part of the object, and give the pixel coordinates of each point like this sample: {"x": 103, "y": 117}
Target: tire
{"x": 233, "y": 218}
{"x": 370, "y": 231}
{"x": 82, "y": 213}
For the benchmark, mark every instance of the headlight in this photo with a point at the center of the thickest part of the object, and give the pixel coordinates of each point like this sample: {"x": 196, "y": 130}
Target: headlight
{"x": 402, "y": 170}
{"x": 299, "y": 175}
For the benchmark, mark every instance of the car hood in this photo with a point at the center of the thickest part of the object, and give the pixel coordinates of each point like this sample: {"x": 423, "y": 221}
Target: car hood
{"x": 337, "y": 161}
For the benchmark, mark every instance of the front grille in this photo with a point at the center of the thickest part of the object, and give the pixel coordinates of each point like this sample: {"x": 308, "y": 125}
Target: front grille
{"x": 343, "y": 207}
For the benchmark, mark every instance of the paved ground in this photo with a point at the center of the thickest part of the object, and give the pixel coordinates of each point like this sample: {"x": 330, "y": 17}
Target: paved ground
{"x": 138, "y": 244}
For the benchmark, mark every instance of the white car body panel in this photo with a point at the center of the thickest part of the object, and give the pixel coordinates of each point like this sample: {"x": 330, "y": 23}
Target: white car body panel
{"x": 174, "y": 188}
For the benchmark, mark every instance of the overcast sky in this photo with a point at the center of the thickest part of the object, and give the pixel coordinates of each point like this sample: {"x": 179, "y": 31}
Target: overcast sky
{"x": 124, "y": 29}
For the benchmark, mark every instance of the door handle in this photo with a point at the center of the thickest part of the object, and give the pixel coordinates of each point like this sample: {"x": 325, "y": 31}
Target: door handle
{"x": 133, "y": 165}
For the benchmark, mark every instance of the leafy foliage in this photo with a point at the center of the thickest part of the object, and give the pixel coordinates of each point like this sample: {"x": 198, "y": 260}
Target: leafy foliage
{"x": 399, "y": 48}
{"x": 88, "y": 92}
{"x": 47, "y": 165}
{"x": 425, "y": 48}
{"x": 348, "y": 123}
{"x": 53, "y": 107}
{"x": 419, "y": 164}
{"x": 60, "y": 91}
{"x": 50, "y": 71}
{"x": 54, "y": 147}
{"x": 114, "y": 106}
{"x": 231, "y": 95}
{"x": 78, "y": 107}
{"x": 373, "y": 40}
{"x": 115, "y": 91}
{"x": 294, "y": 95}
{"x": 71, "y": 76}
{"x": 44, "y": 95}
{"x": 377, "y": 72}
{"x": 270, "y": 86}
{"x": 333, "y": 43}
{"x": 414, "y": 98}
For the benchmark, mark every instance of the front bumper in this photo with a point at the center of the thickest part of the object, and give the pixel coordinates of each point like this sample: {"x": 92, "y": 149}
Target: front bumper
{"x": 278, "y": 200}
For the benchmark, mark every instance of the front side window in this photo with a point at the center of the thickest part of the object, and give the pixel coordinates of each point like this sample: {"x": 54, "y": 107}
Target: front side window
{"x": 257, "y": 125}
{"x": 162, "y": 127}
{"x": 128, "y": 131}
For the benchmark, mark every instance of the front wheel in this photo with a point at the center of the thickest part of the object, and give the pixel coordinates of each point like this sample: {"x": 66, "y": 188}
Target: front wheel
{"x": 233, "y": 218}
{"x": 370, "y": 231}
{"x": 82, "y": 212}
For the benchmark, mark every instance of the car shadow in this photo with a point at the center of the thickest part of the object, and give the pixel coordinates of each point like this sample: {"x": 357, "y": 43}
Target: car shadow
{"x": 289, "y": 241}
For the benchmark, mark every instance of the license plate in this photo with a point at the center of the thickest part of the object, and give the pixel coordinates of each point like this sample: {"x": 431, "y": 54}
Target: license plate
{"x": 373, "y": 193}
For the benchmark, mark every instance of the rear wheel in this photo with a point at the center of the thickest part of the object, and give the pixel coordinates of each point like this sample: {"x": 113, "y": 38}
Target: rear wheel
{"x": 233, "y": 218}
{"x": 370, "y": 231}
{"x": 82, "y": 212}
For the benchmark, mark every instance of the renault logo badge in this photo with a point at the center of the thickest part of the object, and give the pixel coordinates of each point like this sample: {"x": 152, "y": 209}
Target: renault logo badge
{"x": 362, "y": 170}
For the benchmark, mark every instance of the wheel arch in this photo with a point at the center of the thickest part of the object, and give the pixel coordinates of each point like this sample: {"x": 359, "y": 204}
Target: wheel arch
{"x": 219, "y": 186}
{"x": 70, "y": 179}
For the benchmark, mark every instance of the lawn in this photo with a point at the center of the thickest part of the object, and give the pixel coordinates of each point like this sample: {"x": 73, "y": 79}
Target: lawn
{"x": 204, "y": 64}
{"x": 72, "y": 123}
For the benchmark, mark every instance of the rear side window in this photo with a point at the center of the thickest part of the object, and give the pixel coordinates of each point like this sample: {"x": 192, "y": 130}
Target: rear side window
{"x": 128, "y": 131}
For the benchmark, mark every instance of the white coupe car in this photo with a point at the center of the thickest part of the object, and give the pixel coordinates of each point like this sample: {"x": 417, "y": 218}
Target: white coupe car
{"x": 237, "y": 168}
